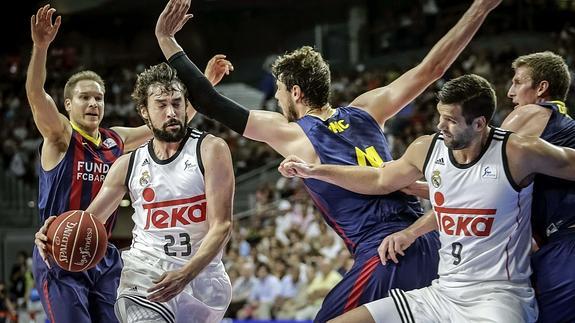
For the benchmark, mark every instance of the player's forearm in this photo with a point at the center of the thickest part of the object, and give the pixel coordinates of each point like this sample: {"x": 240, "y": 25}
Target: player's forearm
{"x": 36, "y": 74}
{"x": 359, "y": 179}
{"x": 168, "y": 45}
{"x": 444, "y": 53}
{"x": 205, "y": 99}
{"x": 214, "y": 241}
{"x": 419, "y": 189}
{"x": 423, "y": 225}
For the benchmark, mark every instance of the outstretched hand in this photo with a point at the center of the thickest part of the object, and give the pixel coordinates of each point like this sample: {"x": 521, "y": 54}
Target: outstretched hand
{"x": 173, "y": 18}
{"x": 43, "y": 30}
{"x": 217, "y": 67}
{"x": 294, "y": 166}
{"x": 40, "y": 239}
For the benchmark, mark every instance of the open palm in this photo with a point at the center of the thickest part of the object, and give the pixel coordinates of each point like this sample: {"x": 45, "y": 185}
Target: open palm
{"x": 43, "y": 30}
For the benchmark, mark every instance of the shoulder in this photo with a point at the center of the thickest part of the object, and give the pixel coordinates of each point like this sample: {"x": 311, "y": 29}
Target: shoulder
{"x": 526, "y": 116}
{"x": 213, "y": 147}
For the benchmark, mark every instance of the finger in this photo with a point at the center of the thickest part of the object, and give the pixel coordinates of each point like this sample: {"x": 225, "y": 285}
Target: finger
{"x": 219, "y": 56}
{"x": 398, "y": 249}
{"x": 49, "y": 15}
{"x": 44, "y": 257}
{"x": 57, "y": 23}
{"x": 391, "y": 251}
{"x": 382, "y": 251}
{"x": 32, "y": 21}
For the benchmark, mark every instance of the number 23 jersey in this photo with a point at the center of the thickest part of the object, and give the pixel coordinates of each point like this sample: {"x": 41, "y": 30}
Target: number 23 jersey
{"x": 169, "y": 200}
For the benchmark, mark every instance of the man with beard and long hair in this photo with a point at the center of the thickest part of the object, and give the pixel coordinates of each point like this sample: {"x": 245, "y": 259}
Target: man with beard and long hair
{"x": 480, "y": 183}
{"x": 181, "y": 184}
{"x": 350, "y": 135}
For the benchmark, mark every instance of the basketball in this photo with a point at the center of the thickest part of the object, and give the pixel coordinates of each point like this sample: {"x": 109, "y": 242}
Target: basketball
{"x": 76, "y": 240}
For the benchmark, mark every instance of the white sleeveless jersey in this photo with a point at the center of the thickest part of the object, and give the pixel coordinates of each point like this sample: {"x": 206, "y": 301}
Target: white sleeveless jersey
{"x": 483, "y": 216}
{"x": 169, "y": 201}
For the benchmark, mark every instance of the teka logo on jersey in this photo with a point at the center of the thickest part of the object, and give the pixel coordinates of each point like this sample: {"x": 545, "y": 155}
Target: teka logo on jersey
{"x": 463, "y": 221}
{"x": 168, "y": 214}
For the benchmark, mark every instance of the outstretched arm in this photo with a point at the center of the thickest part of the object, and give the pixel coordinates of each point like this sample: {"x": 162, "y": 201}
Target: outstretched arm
{"x": 53, "y": 126}
{"x": 219, "y": 177}
{"x": 113, "y": 190}
{"x": 269, "y": 127}
{"x": 383, "y": 103}
{"x": 530, "y": 155}
{"x": 393, "y": 176}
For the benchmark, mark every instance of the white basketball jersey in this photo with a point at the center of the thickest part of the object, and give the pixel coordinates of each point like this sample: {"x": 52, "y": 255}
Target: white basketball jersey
{"x": 483, "y": 216}
{"x": 169, "y": 201}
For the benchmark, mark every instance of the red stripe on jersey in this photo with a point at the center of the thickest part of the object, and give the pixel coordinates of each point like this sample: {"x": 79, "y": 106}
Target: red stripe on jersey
{"x": 48, "y": 303}
{"x": 174, "y": 202}
{"x": 466, "y": 211}
{"x": 337, "y": 228}
{"x": 360, "y": 282}
{"x": 76, "y": 185}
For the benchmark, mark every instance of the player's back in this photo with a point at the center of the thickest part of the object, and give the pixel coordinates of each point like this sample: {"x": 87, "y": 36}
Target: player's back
{"x": 352, "y": 137}
{"x": 554, "y": 198}
{"x": 74, "y": 182}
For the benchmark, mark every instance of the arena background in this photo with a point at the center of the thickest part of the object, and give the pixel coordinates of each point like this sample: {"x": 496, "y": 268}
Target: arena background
{"x": 367, "y": 42}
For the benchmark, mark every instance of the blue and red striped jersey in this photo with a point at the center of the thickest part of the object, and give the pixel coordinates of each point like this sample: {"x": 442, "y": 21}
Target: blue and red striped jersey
{"x": 75, "y": 181}
{"x": 352, "y": 137}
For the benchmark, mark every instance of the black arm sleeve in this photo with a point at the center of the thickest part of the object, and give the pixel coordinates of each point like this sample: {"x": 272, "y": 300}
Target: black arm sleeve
{"x": 205, "y": 99}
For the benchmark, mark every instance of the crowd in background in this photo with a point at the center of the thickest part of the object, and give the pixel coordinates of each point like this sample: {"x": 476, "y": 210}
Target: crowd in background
{"x": 282, "y": 259}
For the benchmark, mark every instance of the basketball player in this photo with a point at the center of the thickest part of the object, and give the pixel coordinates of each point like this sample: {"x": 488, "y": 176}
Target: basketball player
{"x": 481, "y": 182}
{"x": 181, "y": 184}
{"x": 539, "y": 87}
{"x": 348, "y": 135}
{"x": 75, "y": 156}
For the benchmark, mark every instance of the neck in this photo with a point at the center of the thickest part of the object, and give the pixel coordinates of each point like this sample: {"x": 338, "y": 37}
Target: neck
{"x": 165, "y": 150}
{"x": 472, "y": 151}
{"x": 91, "y": 135}
{"x": 321, "y": 112}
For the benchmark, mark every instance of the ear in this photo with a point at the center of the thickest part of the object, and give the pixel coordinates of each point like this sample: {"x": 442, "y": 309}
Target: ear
{"x": 479, "y": 123}
{"x": 143, "y": 112}
{"x": 68, "y": 105}
{"x": 542, "y": 88}
{"x": 296, "y": 93}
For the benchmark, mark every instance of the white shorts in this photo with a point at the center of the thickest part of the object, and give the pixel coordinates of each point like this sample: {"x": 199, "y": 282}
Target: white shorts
{"x": 205, "y": 299}
{"x": 502, "y": 302}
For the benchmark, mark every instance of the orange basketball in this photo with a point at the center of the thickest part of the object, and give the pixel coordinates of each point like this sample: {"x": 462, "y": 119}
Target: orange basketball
{"x": 76, "y": 240}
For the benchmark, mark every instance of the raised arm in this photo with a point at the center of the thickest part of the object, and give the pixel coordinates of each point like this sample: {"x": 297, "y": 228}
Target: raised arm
{"x": 269, "y": 127}
{"x": 219, "y": 179}
{"x": 383, "y": 103}
{"x": 393, "y": 176}
{"x": 53, "y": 126}
{"x": 113, "y": 190}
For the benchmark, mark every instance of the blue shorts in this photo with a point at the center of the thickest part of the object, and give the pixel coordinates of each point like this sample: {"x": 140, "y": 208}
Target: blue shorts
{"x": 82, "y": 297}
{"x": 554, "y": 279}
{"x": 369, "y": 280}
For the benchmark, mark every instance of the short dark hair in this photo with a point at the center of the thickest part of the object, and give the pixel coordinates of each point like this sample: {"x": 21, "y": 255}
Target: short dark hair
{"x": 473, "y": 93}
{"x": 550, "y": 67}
{"x": 162, "y": 75}
{"x": 81, "y": 76}
{"x": 306, "y": 68}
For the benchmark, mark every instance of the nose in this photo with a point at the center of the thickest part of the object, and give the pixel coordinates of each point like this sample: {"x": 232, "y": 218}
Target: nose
{"x": 511, "y": 92}
{"x": 92, "y": 101}
{"x": 170, "y": 111}
{"x": 441, "y": 125}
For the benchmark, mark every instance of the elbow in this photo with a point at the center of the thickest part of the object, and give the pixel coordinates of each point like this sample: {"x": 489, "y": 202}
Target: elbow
{"x": 433, "y": 69}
